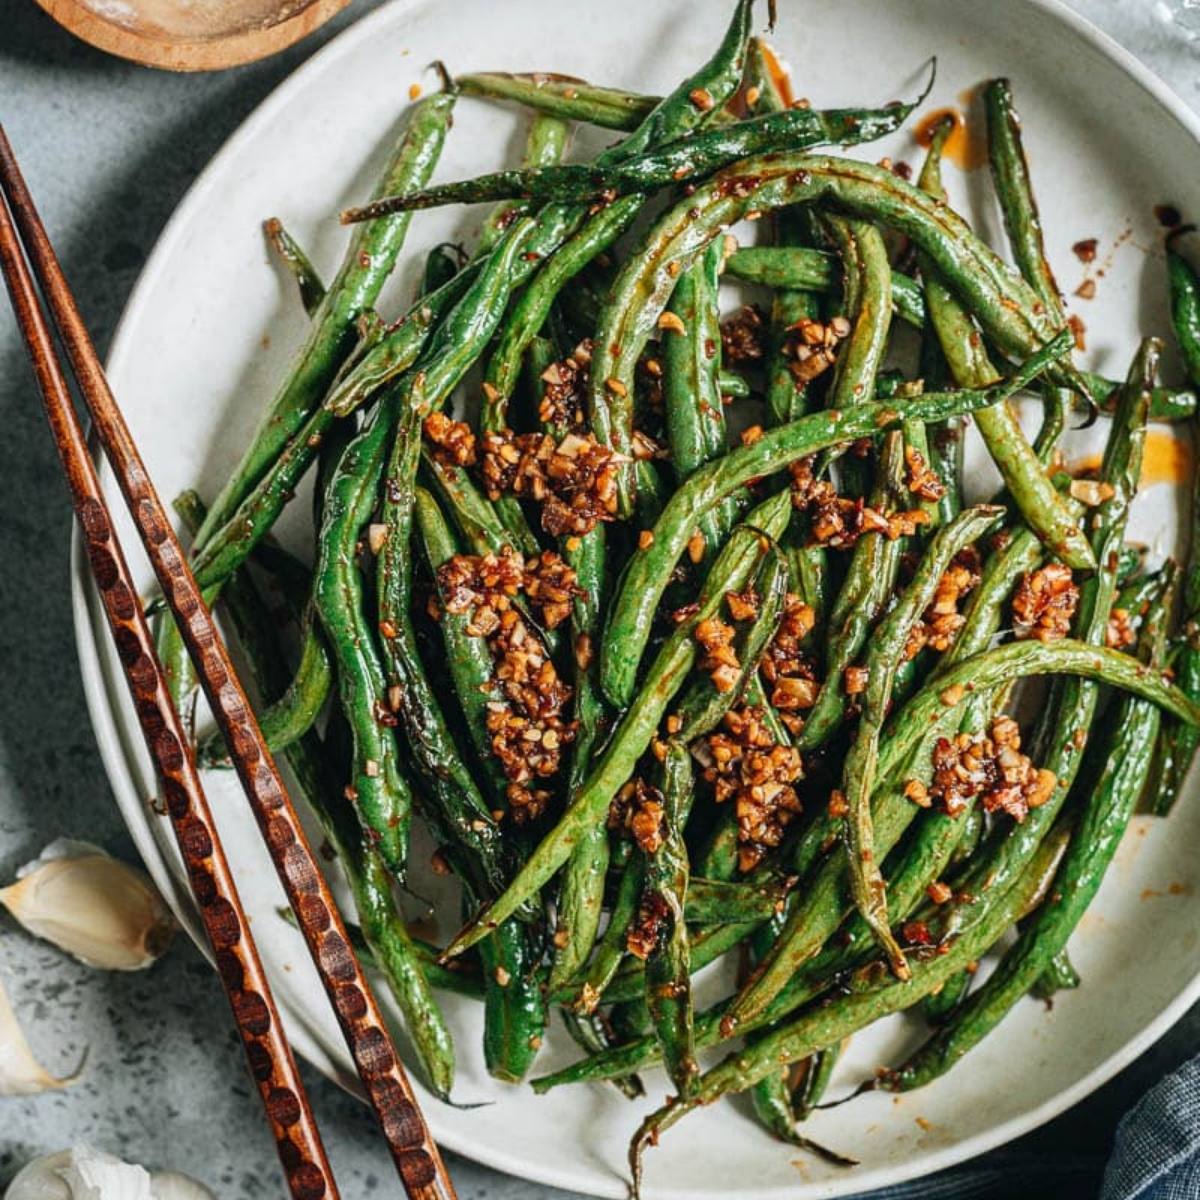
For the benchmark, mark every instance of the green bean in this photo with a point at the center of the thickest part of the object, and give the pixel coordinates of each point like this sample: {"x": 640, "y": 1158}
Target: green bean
{"x": 680, "y": 111}
{"x": 367, "y": 264}
{"x": 514, "y": 1003}
{"x": 866, "y": 591}
{"x": 1020, "y": 554}
{"x": 408, "y": 978}
{"x": 851, "y": 950}
{"x": 308, "y": 280}
{"x": 922, "y": 862}
{"x": 1010, "y": 173}
{"x": 442, "y": 264}
{"x": 732, "y": 385}
{"x": 588, "y": 992}
{"x": 529, "y": 313}
{"x": 474, "y": 517}
{"x": 377, "y": 788}
{"x": 773, "y": 1105}
{"x": 859, "y": 771}
{"x": 1178, "y": 742}
{"x": 799, "y": 268}
{"x": 232, "y": 543}
{"x": 480, "y": 528}
{"x": 1034, "y": 495}
{"x": 646, "y": 578}
{"x": 938, "y": 1007}
{"x": 1014, "y": 188}
{"x": 580, "y": 906}
{"x": 468, "y": 655}
{"x": 544, "y": 145}
{"x": 675, "y": 114}
{"x": 1059, "y": 976}
{"x": 719, "y": 902}
{"x": 664, "y": 894}
{"x": 1010, "y": 313}
{"x": 808, "y": 270}
{"x": 703, "y": 706}
{"x": 562, "y": 96}
{"x": 450, "y": 353}
{"x": 674, "y": 162}
{"x": 1125, "y": 753}
{"x": 581, "y": 897}
{"x": 695, "y": 415}
{"x": 1184, "y": 284}
{"x": 826, "y": 1025}
{"x": 288, "y": 717}
{"x": 818, "y": 1077}
{"x": 729, "y": 572}
{"x": 869, "y": 307}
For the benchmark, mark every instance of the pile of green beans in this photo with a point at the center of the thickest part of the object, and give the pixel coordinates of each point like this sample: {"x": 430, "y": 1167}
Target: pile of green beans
{"x": 737, "y": 666}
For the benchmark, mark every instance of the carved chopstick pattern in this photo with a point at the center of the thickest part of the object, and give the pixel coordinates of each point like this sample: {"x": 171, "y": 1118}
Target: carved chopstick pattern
{"x": 383, "y": 1077}
{"x": 267, "y": 1051}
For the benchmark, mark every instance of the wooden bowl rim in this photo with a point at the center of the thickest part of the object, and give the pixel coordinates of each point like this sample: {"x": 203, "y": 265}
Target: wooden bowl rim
{"x": 208, "y": 54}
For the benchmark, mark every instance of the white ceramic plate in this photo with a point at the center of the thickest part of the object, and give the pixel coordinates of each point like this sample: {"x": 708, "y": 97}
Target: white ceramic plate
{"x": 211, "y": 325}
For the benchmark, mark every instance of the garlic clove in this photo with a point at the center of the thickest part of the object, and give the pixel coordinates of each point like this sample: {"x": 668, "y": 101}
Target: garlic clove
{"x": 103, "y": 911}
{"x": 84, "y": 1173}
{"x": 93, "y": 1175}
{"x": 40, "y": 1180}
{"x": 20, "y": 1073}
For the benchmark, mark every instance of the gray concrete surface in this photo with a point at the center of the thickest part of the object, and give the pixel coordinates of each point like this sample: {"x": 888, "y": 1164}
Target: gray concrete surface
{"x": 109, "y": 149}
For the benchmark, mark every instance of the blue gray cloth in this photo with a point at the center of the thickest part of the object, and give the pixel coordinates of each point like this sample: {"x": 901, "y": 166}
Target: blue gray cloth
{"x": 1156, "y": 1155}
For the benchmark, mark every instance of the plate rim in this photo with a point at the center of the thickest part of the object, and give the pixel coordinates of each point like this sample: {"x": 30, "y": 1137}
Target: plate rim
{"x": 88, "y": 623}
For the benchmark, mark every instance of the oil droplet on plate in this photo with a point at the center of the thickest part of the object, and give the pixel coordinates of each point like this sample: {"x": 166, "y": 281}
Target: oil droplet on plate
{"x": 966, "y": 146}
{"x": 1165, "y": 459}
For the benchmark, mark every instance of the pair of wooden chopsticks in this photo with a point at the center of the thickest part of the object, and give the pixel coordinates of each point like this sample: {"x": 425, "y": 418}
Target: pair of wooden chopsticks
{"x": 24, "y": 256}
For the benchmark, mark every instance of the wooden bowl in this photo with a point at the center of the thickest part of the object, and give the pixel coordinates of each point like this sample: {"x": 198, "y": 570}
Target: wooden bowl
{"x": 192, "y": 35}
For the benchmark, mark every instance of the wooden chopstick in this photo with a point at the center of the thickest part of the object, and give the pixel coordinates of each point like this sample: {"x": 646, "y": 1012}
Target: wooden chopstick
{"x": 387, "y": 1087}
{"x": 297, "y": 1139}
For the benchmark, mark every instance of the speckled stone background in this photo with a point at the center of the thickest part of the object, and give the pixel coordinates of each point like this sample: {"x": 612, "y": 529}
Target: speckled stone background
{"x": 109, "y": 149}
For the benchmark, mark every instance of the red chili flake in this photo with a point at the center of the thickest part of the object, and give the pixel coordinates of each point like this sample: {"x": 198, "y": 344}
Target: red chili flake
{"x": 916, "y": 933}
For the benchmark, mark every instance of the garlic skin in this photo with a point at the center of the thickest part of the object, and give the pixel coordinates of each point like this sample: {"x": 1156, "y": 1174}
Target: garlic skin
{"x": 20, "y": 1073}
{"x": 100, "y": 910}
{"x": 83, "y": 1173}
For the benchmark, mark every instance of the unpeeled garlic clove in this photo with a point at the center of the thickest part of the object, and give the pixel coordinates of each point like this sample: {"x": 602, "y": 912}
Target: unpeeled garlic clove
{"x": 83, "y": 1173}
{"x": 103, "y": 911}
{"x": 20, "y": 1073}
